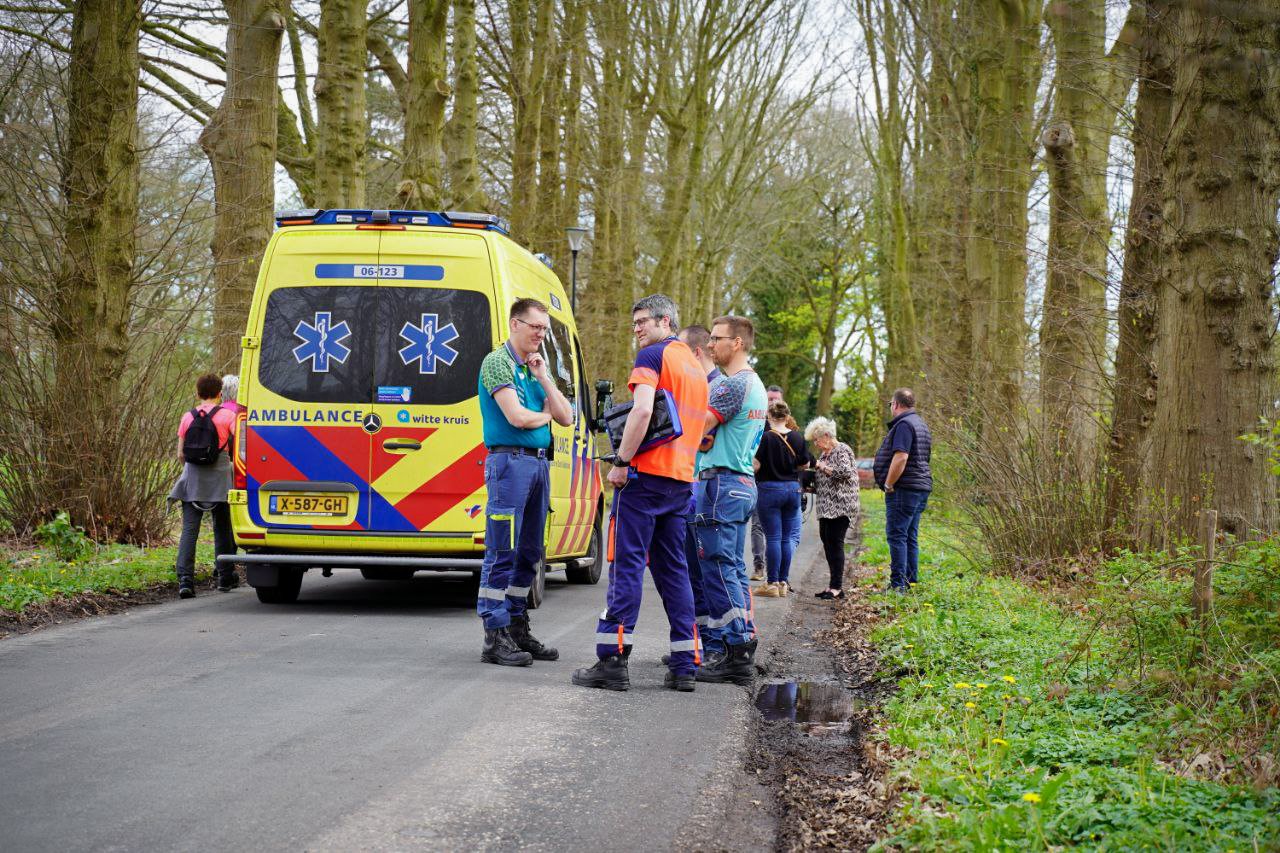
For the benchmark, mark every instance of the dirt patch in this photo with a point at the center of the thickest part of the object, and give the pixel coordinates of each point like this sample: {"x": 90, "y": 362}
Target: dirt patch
{"x": 59, "y": 610}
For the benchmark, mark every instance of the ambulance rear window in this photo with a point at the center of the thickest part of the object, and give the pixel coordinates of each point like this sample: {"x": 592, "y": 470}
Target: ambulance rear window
{"x": 351, "y": 344}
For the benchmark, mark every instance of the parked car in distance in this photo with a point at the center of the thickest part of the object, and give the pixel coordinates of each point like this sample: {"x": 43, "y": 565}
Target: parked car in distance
{"x": 866, "y": 476}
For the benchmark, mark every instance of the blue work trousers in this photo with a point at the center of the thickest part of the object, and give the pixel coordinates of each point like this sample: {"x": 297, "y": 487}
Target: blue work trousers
{"x": 724, "y": 505}
{"x": 648, "y": 521}
{"x": 780, "y": 515}
{"x": 700, "y": 613}
{"x": 514, "y": 534}
{"x": 902, "y": 511}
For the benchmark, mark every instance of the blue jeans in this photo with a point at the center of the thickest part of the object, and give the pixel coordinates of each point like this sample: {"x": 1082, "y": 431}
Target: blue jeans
{"x": 780, "y": 515}
{"x": 514, "y": 532}
{"x": 902, "y": 510}
{"x": 724, "y": 505}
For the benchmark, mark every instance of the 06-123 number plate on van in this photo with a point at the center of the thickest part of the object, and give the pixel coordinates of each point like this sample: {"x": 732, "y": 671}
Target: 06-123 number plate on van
{"x": 308, "y": 505}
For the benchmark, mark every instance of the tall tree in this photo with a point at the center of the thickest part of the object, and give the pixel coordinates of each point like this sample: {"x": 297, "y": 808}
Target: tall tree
{"x": 342, "y": 129}
{"x": 532, "y": 25}
{"x": 465, "y": 192}
{"x": 1135, "y": 372}
{"x": 1215, "y": 353}
{"x": 99, "y": 179}
{"x": 1090, "y": 85}
{"x": 422, "y": 186}
{"x": 240, "y": 142}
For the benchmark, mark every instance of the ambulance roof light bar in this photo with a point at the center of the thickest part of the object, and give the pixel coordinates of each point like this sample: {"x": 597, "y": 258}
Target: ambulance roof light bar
{"x": 445, "y": 219}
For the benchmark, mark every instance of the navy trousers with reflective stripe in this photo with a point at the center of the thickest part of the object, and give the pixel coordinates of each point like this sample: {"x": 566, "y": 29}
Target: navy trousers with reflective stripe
{"x": 650, "y": 518}
{"x": 700, "y": 611}
{"x": 514, "y": 530}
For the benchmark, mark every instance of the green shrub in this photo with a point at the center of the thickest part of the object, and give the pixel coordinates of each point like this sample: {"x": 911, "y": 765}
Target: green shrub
{"x": 67, "y": 541}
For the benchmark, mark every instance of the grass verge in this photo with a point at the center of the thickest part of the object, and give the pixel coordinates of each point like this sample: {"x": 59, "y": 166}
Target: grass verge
{"x": 1028, "y": 722}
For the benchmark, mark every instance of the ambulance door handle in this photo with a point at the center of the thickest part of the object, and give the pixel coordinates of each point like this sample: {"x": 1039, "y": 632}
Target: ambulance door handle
{"x": 401, "y": 445}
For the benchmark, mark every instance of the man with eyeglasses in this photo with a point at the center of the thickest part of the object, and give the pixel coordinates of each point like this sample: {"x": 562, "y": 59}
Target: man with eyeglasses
{"x": 518, "y": 402}
{"x": 651, "y": 504}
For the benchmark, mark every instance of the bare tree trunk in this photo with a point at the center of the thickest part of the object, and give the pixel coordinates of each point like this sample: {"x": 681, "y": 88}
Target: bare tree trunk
{"x": 422, "y": 186}
{"x": 1089, "y": 88}
{"x": 340, "y": 100}
{"x": 240, "y": 142}
{"x": 1215, "y": 353}
{"x": 547, "y": 233}
{"x": 531, "y": 37}
{"x": 1135, "y": 379}
{"x": 465, "y": 191}
{"x": 100, "y": 192}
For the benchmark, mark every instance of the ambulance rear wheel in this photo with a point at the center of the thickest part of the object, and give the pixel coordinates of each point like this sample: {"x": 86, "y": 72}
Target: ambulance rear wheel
{"x": 286, "y": 589}
{"x": 589, "y": 568}
{"x": 538, "y": 588}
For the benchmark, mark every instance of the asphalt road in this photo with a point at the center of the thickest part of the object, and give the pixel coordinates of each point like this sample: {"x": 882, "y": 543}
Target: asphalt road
{"x": 358, "y": 719}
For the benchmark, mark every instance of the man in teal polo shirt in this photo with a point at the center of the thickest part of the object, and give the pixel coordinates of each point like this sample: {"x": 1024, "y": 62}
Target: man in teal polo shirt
{"x": 518, "y": 401}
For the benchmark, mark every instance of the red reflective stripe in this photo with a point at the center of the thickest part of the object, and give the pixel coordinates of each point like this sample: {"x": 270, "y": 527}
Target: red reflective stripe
{"x": 697, "y": 646}
{"x": 621, "y": 637}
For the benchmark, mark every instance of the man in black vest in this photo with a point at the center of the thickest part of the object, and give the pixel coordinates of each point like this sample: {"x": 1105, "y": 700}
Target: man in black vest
{"x": 902, "y": 470}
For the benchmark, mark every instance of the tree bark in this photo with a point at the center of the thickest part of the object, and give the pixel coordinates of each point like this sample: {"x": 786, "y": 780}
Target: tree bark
{"x": 422, "y": 185}
{"x": 1215, "y": 354}
{"x": 340, "y": 100}
{"x": 1089, "y": 88}
{"x": 465, "y": 192}
{"x": 1135, "y": 372}
{"x": 240, "y": 142}
{"x": 99, "y": 177}
{"x": 532, "y": 32}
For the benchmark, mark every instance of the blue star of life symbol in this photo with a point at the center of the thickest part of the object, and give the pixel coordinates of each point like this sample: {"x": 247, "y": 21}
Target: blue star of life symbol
{"x": 428, "y": 343}
{"x": 321, "y": 342}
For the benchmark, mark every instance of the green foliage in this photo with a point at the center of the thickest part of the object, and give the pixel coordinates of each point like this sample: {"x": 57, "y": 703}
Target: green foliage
{"x": 1268, "y": 438}
{"x": 1024, "y": 728}
{"x": 34, "y": 576}
{"x": 68, "y": 542}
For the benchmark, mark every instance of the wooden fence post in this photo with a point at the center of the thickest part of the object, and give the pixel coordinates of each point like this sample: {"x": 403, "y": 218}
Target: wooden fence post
{"x": 1202, "y": 584}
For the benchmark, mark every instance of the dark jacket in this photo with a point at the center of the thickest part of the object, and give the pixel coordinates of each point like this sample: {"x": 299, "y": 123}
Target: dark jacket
{"x": 916, "y": 475}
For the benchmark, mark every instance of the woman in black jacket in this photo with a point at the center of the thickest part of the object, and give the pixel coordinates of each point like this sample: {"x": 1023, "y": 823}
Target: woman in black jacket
{"x": 779, "y": 458}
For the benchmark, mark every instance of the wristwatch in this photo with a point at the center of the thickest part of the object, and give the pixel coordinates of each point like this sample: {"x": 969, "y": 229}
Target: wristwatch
{"x": 619, "y": 463}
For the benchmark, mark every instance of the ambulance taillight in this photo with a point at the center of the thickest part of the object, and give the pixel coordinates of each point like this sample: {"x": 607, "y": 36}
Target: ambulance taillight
{"x": 242, "y": 434}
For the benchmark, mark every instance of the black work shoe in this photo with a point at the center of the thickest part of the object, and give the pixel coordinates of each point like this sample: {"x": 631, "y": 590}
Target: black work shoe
{"x": 227, "y": 584}
{"x": 736, "y": 667}
{"x": 501, "y": 649}
{"x": 186, "y": 590}
{"x": 609, "y": 673}
{"x": 519, "y": 631}
{"x": 683, "y": 683}
{"x": 666, "y": 660}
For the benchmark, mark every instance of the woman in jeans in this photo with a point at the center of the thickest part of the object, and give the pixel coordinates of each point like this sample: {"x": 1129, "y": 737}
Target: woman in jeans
{"x": 779, "y": 458}
{"x": 838, "y": 501}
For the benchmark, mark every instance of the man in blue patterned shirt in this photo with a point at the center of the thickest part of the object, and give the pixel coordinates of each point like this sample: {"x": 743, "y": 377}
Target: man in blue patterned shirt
{"x": 725, "y": 497}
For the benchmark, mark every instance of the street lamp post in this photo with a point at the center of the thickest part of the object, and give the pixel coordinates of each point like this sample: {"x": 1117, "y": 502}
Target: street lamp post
{"x": 576, "y": 238}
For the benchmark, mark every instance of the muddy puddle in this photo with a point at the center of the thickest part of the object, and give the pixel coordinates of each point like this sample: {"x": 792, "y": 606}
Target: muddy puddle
{"x": 816, "y": 708}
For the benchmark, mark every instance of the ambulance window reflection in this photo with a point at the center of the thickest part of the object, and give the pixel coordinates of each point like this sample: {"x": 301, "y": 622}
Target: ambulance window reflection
{"x": 558, "y": 351}
{"x": 316, "y": 344}
{"x": 431, "y": 341}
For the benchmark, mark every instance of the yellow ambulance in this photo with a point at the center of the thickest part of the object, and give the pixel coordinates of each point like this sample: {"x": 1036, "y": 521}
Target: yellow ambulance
{"x": 360, "y": 447}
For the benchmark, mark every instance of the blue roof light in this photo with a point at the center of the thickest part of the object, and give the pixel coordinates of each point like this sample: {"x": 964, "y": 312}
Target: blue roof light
{"x": 446, "y": 219}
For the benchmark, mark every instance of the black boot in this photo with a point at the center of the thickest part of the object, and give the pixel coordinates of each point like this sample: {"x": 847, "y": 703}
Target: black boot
{"x": 186, "y": 587}
{"x": 683, "y": 683}
{"x": 609, "y": 673}
{"x": 519, "y": 631}
{"x": 499, "y": 648}
{"x": 228, "y": 581}
{"x": 736, "y": 667}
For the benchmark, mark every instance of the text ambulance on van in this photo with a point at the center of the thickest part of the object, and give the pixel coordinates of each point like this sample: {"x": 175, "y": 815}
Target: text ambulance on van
{"x": 361, "y": 442}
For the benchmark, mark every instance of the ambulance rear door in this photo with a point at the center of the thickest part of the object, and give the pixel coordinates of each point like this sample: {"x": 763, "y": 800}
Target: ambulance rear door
{"x": 435, "y": 326}
{"x": 307, "y": 442}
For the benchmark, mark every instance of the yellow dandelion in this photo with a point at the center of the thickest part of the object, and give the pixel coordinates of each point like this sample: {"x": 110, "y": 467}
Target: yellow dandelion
{"x": 970, "y": 705}
{"x": 1006, "y": 697}
{"x": 963, "y": 685}
{"x": 925, "y": 684}
{"x": 981, "y": 686}
{"x": 908, "y": 646}
{"x": 999, "y": 741}
{"x": 1031, "y": 797}
{"x": 1009, "y": 679}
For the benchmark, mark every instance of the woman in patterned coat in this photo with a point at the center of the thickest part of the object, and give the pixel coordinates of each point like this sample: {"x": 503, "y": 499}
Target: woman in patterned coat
{"x": 838, "y": 502}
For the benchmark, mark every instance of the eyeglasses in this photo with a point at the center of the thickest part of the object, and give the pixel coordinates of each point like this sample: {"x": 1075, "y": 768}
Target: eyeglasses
{"x": 536, "y": 328}
{"x": 713, "y": 338}
{"x": 635, "y": 324}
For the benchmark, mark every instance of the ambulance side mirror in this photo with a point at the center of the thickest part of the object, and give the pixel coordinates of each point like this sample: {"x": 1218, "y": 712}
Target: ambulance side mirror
{"x": 604, "y": 402}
